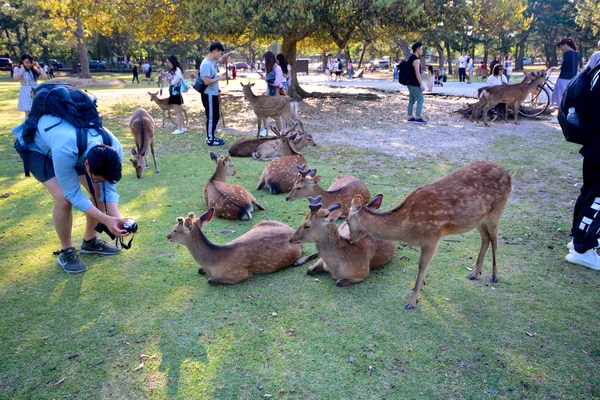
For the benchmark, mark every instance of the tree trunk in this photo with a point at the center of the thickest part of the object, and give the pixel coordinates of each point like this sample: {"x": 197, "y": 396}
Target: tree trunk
{"x": 521, "y": 50}
{"x": 440, "y": 51}
{"x": 82, "y": 49}
{"x": 288, "y": 50}
{"x": 362, "y": 53}
{"x": 485, "y": 55}
{"x": 405, "y": 49}
{"x": 449, "y": 55}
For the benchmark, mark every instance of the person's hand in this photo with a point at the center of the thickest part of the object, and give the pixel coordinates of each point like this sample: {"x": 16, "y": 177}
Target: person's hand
{"x": 223, "y": 77}
{"x": 115, "y": 225}
{"x": 422, "y": 88}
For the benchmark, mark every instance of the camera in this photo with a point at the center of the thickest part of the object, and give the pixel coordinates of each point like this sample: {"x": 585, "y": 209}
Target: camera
{"x": 130, "y": 226}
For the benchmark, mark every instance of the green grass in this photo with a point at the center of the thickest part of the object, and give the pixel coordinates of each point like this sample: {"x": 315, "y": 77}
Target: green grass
{"x": 82, "y": 336}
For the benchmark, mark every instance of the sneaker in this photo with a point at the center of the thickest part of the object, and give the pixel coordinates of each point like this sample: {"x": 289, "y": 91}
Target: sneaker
{"x": 589, "y": 259}
{"x": 177, "y": 132}
{"x": 570, "y": 244}
{"x": 70, "y": 262}
{"x": 420, "y": 121}
{"x": 554, "y": 121}
{"x": 184, "y": 129}
{"x": 215, "y": 142}
{"x": 99, "y": 246}
{"x": 412, "y": 119}
{"x": 263, "y": 132}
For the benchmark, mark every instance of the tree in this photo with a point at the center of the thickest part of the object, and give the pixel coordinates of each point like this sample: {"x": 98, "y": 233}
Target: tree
{"x": 588, "y": 15}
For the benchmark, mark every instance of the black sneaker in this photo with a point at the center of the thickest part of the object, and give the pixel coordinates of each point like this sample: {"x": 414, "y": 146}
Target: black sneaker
{"x": 412, "y": 119}
{"x": 99, "y": 246}
{"x": 420, "y": 121}
{"x": 70, "y": 262}
{"x": 215, "y": 142}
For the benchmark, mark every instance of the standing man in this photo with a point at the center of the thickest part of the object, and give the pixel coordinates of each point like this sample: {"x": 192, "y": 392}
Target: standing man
{"x": 462, "y": 66}
{"x": 147, "y": 71}
{"x": 416, "y": 87}
{"x": 209, "y": 72}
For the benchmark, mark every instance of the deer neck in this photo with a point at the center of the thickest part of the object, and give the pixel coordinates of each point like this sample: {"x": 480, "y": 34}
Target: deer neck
{"x": 391, "y": 225}
{"x": 202, "y": 249}
{"x": 250, "y": 96}
{"x": 330, "y": 240}
{"x": 219, "y": 174}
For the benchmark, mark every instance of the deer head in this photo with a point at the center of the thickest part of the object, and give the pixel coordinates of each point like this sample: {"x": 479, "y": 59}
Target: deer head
{"x": 224, "y": 167}
{"x": 139, "y": 162}
{"x": 355, "y": 217}
{"x": 318, "y": 222}
{"x": 305, "y": 185}
{"x": 181, "y": 231}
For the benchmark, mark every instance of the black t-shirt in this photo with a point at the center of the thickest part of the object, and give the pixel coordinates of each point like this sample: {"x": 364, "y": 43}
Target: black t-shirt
{"x": 413, "y": 81}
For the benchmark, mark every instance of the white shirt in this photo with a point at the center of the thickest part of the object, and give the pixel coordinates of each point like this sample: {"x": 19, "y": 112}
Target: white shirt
{"x": 594, "y": 60}
{"x": 496, "y": 80}
{"x": 462, "y": 62}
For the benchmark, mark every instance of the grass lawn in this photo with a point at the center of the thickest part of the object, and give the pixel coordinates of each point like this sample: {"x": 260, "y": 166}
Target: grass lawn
{"x": 533, "y": 335}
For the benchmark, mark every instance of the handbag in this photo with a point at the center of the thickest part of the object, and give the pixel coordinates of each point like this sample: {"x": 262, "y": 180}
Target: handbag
{"x": 199, "y": 85}
{"x": 185, "y": 85}
{"x": 175, "y": 90}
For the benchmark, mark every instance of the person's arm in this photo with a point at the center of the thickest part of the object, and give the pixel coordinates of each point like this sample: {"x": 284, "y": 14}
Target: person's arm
{"x": 416, "y": 65}
{"x": 39, "y": 70}
{"x": 177, "y": 77}
{"x": 209, "y": 80}
{"x": 225, "y": 56}
{"x": 18, "y": 74}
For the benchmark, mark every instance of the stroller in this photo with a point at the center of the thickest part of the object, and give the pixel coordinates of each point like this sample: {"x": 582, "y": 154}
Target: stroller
{"x": 440, "y": 76}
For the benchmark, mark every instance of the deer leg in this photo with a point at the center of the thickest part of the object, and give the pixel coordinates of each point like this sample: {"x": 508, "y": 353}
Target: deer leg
{"x": 516, "y": 108}
{"x": 427, "y": 253}
{"x": 474, "y": 112}
{"x": 359, "y": 275}
{"x": 237, "y": 277}
{"x": 306, "y": 259}
{"x": 261, "y": 183}
{"x": 319, "y": 266}
{"x": 257, "y": 204}
{"x": 485, "y": 243}
{"x": 163, "y": 124}
{"x": 506, "y": 113}
{"x": 486, "y": 109}
{"x": 154, "y": 157}
{"x": 260, "y": 120}
{"x": 348, "y": 281}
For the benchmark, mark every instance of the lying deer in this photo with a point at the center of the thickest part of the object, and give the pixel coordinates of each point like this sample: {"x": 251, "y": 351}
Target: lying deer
{"x": 229, "y": 201}
{"x": 142, "y": 129}
{"x": 265, "y": 248}
{"x": 342, "y": 190}
{"x": 279, "y": 175}
{"x": 472, "y": 197}
{"x": 245, "y": 146}
{"x": 346, "y": 262}
{"x": 514, "y": 95}
{"x": 165, "y": 107}
{"x": 267, "y": 151}
{"x": 275, "y": 107}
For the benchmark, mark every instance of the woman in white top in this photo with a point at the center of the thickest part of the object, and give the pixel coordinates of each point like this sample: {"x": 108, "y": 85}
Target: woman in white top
{"x": 274, "y": 76}
{"x": 175, "y": 79}
{"x": 286, "y": 70}
{"x": 508, "y": 67}
{"x": 498, "y": 77}
{"x": 27, "y": 72}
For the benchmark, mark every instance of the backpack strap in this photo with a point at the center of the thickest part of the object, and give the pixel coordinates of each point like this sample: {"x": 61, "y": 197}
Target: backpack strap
{"x": 82, "y": 139}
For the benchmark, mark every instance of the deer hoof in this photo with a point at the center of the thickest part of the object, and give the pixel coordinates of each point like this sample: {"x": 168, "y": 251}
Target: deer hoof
{"x": 409, "y": 307}
{"x": 494, "y": 279}
{"x": 472, "y": 277}
{"x": 342, "y": 282}
{"x": 310, "y": 271}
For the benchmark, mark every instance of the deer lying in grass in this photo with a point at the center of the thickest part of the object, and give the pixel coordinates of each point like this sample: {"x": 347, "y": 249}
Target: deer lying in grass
{"x": 472, "y": 197}
{"x": 342, "y": 190}
{"x": 141, "y": 125}
{"x": 265, "y": 248}
{"x": 346, "y": 262}
{"x": 279, "y": 175}
{"x": 229, "y": 201}
{"x": 245, "y": 146}
{"x": 513, "y": 95}
{"x": 267, "y": 151}
{"x": 165, "y": 107}
{"x": 272, "y": 107}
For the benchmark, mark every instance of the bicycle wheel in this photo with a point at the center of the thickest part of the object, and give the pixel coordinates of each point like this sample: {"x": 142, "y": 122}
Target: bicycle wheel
{"x": 535, "y": 104}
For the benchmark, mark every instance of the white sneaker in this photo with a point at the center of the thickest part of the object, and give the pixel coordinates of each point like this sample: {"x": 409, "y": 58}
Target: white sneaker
{"x": 589, "y": 259}
{"x": 570, "y": 244}
{"x": 184, "y": 129}
{"x": 263, "y": 132}
{"x": 177, "y": 132}
{"x": 554, "y": 121}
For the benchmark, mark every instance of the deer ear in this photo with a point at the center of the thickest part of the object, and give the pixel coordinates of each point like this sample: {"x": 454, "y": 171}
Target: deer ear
{"x": 312, "y": 172}
{"x": 191, "y": 215}
{"x": 188, "y": 225}
{"x": 375, "y": 203}
{"x": 314, "y": 208}
{"x": 241, "y": 84}
{"x": 316, "y": 179}
{"x": 213, "y": 156}
{"x": 334, "y": 215}
{"x": 133, "y": 152}
{"x": 301, "y": 167}
{"x": 315, "y": 200}
{"x": 252, "y": 84}
{"x": 180, "y": 221}
{"x": 207, "y": 216}
{"x": 143, "y": 154}
{"x": 356, "y": 203}
{"x": 132, "y": 160}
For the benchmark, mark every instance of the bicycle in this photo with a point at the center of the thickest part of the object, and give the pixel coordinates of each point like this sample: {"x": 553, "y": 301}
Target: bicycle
{"x": 536, "y": 104}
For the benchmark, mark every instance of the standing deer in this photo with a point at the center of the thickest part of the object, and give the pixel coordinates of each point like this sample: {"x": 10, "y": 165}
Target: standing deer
{"x": 342, "y": 190}
{"x": 165, "y": 107}
{"x": 229, "y": 201}
{"x": 279, "y": 175}
{"x": 141, "y": 125}
{"x": 472, "y": 197}
{"x": 346, "y": 262}
{"x": 275, "y": 107}
{"x": 513, "y": 95}
{"x": 265, "y": 248}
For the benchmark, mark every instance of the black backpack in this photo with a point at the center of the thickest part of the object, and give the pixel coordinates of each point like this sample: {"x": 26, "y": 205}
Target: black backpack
{"x": 404, "y": 75}
{"x": 582, "y": 94}
{"x": 70, "y": 104}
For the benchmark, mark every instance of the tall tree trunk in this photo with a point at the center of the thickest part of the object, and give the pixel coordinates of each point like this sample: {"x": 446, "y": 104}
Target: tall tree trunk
{"x": 485, "y": 55}
{"x": 362, "y": 53}
{"x": 521, "y": 50}
{"x": 449, "y": 55}
{"x": 440, "y": 51}
{"x": 405, "y": 49}
{"x": 288, "y": 49}
{"x": 82, "y": 49}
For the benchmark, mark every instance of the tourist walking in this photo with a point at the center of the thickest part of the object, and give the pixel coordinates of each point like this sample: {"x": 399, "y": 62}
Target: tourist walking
{"x": 175, "y": 79}
{"x": 415, "y": 86}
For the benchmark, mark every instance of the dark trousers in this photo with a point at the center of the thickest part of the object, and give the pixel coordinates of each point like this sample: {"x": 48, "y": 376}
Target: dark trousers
{"x": 211, "y": 110}
{"x": 586, "y": 215}
{"x": 462, "y": 74}
{"x": 135, "y": 78}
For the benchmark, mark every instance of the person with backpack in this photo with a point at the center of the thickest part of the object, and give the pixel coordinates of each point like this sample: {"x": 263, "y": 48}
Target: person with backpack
{"x": 568, "y": 70}
{"x": 63, "y": 158}
{"x": 410, "y": 75}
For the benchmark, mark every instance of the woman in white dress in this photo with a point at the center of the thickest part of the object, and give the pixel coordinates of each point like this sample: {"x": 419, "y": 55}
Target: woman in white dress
{"x": 27, "y": 72}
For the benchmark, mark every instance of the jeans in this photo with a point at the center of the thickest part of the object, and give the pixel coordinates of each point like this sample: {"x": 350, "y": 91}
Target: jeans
{"x": 462, "y": 74}
{"x": 395, "y": 74}
{"x": 415, "y": 95}
{"x": 586, "y": 218}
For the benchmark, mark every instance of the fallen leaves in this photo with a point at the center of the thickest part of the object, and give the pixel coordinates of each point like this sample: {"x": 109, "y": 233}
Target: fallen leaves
{"x": 143, "y": 359}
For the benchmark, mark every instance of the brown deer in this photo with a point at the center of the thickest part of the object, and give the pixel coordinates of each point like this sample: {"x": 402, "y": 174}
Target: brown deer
{"x": 165, "y": 107}
{"x": 346, "y": 262}
{"x": 245, "y": 146}
{"x": 264, "y": 249}
{"x": 279, "y": 175}
{"x": 472, "y": 197}
{"x": 275, "y": 107}
{"x": 513, "y": 95}
{"x": 342, "y": 190}
{"x": 267, "y": 151}
{"x": 141, "y": 125}
{"x": 229, "y": 201}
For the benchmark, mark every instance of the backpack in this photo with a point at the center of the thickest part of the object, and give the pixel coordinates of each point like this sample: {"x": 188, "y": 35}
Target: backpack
{"x": 583, "y": 94}
{"x": 72, "y": 105}
{"x": 404, "y": 75}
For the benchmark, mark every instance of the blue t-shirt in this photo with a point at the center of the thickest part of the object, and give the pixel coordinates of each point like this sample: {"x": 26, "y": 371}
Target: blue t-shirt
{"x": 209, "y": 68}
{"x": 568, "y": 69}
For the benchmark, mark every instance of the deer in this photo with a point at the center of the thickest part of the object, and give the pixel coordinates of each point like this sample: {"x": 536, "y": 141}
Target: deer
{"x": 264, "y": 249}
{"x": 165, "y": 107}
{"x": 471, "y": 197}
{"x": 141, "y": 125}
{"x": 346, "y": 262}
{"x": 279, "y": 175}
{"x": 514, "y": 95}
{"x": 272, "y": 106}
{"x": 229, "y": 201}
{"x": 267, "y": 151}
{"x": 342, "y": 190}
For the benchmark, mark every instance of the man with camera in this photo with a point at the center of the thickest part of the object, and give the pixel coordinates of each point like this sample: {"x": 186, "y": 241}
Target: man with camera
{"x": 54, "y": 160}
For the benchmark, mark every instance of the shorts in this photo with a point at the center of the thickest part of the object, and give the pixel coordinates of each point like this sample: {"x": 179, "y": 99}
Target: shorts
{"x": 175, "y": 99}
{"x": 148, "y": 74}
{"x": 40, "y": 165}
{"x": 338, "y": 73}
